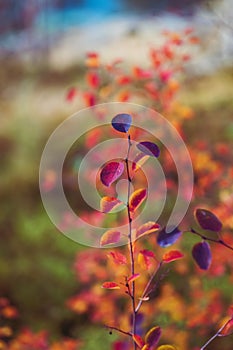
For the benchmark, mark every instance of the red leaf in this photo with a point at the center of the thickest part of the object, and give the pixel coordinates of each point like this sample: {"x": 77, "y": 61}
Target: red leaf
{"x": 71, "y": 94}
{"x": 118, "y": 258}
{"x": 93, "y": 80}
{"x": 111, "y": 172}
{"x": 133, "y": 277}
{"x": 145, "y": 258}
{"x": 136, "y": 199}
{"x": 147, "y": 253}
{"x": 109, "y": 203}
{"x": 123, "y": 96}
{"x": 110, "y": 237}
{"x": 227, "y": 329}
{"x": 89, "y": 99}
{"x": 172, "y": 255}
{"x": 124, "y": 79}
{"x": 165, "y": 75}
{"x": 140, "y": 73}
{"x": 110, "y": 285}
{"x": 147, "y": 228}
{"x": 138, "y": 340}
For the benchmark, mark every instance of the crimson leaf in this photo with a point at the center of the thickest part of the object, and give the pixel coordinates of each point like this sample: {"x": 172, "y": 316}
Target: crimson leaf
{"x": 111, "y": 172}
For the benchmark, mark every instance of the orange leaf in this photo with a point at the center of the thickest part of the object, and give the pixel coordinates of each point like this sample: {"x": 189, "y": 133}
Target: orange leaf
{"x": 136, "y": 199}
{"x": 172, "y": 255}
{"x": 133, "y": 277}
{"x": 194, "y": 40}
{"x": 118, "y": 258}
{"x": 110, "y": 285}
{"x": 109, "y": 203}
{"x": 147, "y": 228}
{"x": 227, "y": 329}
{"x": 138, "y": 340}
{"x": 110, "y": 237}
{"x": 123, "y": 96}
{"x": 92, "y": 60}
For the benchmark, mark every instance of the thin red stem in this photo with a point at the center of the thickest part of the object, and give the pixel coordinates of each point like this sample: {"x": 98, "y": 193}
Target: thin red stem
{"x": 132, "y": 263}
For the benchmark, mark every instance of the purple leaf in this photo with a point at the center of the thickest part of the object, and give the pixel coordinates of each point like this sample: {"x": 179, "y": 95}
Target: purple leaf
{"x": 122, "y": 122}
{"x": 149, "y": 148}
{"x": 207, "y": 220}
{"x": 202, "y": 255}
{"x": 165, "y": 239}
{"x": 111, "y": 172}
{"x": 152, "y": 337}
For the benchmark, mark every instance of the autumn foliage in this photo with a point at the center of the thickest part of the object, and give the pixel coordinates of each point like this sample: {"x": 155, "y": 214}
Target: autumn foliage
{"x": 159, "y": 288}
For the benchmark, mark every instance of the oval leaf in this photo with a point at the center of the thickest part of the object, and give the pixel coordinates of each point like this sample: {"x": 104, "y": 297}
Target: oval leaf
{"x": 133, "y": 277}
{"x": 166, "y": 347}
{"x": 202, "y": 255}
{"x": 109, "y": 203}
{"x": 152, "y": 336}
{"x": 110, "y": 285}
{"x": 138, "y": 340}
{"x": 207, "y": 220}
{"x": 149, "y": 148}
{"x": 165, "y": 239}
{"x": 118, "y": 258}
{"x": 147, "y": 228}
{"x": 227, "y": 329}
{"x": 111, "y": 172}
{"x": 110, "y": 237}
{"x": 136, "y": 199}
{"x": 122, "y": 122}
{"x": 172, "y": 255}
{"x": 145, "y": 259}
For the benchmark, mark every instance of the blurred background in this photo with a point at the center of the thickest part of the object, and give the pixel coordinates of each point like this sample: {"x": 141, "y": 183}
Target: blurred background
{"x": 43, "y": 47}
